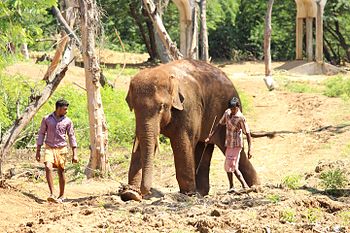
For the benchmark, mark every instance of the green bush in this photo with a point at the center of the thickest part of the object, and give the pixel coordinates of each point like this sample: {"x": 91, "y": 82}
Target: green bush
{"x": 333, "y": 179}
{"x": 287, "y": 215}
{"x": 292, "y": 181}
{"x": 313, "y": 215}
{"x": 338, "y": 87}
{"x": 273, "y": 198}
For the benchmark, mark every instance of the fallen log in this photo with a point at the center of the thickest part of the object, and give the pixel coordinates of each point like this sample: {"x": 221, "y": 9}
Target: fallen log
{"x": 335, "y": 129}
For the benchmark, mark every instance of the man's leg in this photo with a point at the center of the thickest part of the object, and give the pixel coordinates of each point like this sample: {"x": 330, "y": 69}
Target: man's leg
{"x": 62, "y": 181}
{"x": 48, "y": 170}
{"x": 238, "y": 173}
{"x": 230, "y": 179}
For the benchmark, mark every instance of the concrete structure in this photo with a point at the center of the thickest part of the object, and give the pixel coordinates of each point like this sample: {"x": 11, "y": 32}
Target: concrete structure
{"x": 309, "y": 11}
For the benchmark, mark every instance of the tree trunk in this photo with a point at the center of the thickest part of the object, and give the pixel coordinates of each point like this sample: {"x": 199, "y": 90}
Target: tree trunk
{"x": 267, "y": 47}
{"x": 98, "y": 129}
{"x": 204, "y": 32}
{"x": 194, "y": 37}
{"x": 170, "y": 46}
{"x": 24, "y": 51}
{"x": 160, "y": 47}
{"x": 33, "y": 107}
{"x": 138, "y": 21}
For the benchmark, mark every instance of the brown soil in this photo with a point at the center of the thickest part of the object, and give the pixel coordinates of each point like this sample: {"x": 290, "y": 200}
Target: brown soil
{"x": 94, "y": 206}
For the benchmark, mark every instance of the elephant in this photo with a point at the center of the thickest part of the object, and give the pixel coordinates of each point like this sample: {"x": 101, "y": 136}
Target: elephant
{"x": 180, "y": 100}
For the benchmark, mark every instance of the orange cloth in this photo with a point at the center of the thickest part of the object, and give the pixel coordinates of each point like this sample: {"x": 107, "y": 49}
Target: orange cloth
{"x": 56, "y": 156}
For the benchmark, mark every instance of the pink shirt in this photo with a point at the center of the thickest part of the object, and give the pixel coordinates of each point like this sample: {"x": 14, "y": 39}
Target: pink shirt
{"x": 55, "y": 131}
{"x": 235, "y": 125}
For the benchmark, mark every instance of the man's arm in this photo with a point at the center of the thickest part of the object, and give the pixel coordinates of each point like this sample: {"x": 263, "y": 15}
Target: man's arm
{"x": 246, "y": 131}
{"x": 221, "y": 122}
{"x": 41, "y": 137}
{"x": 72, "y": 142}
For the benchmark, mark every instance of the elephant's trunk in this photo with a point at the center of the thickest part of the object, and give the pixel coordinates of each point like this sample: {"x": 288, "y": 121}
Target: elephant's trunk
{"x": 147, "y": 135}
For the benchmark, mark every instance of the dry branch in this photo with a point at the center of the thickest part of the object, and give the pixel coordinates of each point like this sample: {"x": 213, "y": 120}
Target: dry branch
{"x": 56, "y": 12}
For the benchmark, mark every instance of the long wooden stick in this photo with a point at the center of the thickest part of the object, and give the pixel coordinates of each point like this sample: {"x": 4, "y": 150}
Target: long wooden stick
{"x": 205, "y": 147}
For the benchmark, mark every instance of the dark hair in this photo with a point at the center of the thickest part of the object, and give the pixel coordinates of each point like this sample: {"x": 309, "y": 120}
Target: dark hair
{"x": 234, "y": 102}
{"x": 62, "y": 103}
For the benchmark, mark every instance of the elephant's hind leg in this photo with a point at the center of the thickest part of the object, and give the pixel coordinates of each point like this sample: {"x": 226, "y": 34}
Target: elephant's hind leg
{"x": 203, "y": 166}
{"x": 247, "y": 170}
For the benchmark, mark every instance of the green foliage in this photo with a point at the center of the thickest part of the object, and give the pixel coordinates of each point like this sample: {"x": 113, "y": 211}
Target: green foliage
{"x": 14, "y": 91}
{"x": 274, "y": 198}
{"x": 77, "y": 170}
{"x": 337, "y": 26}
{"x": 338, "y": 87}
{"x": 299, "y": 87}
{"x": 292, "y": 181}
{"x": 287, "y": 215}
{"x": 23, "y": 21}
{"x": 313, "y": 215}
{"x": 121, "y": 122}
{"x": 333, "y": 179}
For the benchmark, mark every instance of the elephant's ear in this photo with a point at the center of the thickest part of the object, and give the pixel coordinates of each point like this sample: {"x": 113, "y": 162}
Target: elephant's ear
{"x": 129, "y": 100}
{"x": 177, "y": 96}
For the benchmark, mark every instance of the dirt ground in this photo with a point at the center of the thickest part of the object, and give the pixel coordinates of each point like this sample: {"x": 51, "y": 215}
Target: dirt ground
{"x": 94, "y": 206}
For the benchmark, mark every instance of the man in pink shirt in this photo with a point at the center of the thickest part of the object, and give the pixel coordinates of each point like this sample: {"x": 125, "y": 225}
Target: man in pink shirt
{"x": 54, "y": 128}
{"x": 236, "y": 125}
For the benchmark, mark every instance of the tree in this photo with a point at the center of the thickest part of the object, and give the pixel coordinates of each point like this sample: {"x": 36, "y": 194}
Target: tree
{"x": 336, "y": 24}
{"x": 267, "y": 47}
{"x": 171, "y": 48}
{"x": 98, "y": 128}
{"x": 22, "y": 22}
{"x": 204, "y": 31}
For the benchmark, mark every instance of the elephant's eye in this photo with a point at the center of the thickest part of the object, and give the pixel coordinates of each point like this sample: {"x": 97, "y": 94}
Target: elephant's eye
{"x": 163, "y": 107}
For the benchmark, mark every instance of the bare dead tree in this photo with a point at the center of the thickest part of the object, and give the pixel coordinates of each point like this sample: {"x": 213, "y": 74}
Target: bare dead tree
{"x": 98, "y": 163}
{"x": 171, "y": 47}
{"x": 204, "y": 31}
{"x": 267, "y": 47}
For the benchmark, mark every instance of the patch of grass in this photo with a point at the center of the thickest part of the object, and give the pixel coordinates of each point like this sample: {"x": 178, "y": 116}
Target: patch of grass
{"x": 338, "y": 87}
{"x": 292, "y": 181}
{"x": 333, "y": 179}
{"x": 247, "y": 102}
{"x": 287, "y": 215}
{"x": 313, "y": 215}
{"x": 78, "y": 170}
{"x": 301, "y": 87}
{"x": 346, "y": 151}
{"x": 111, "y": 74}
{"x": 345, "y": 217}
{"x": 273, "y": 198}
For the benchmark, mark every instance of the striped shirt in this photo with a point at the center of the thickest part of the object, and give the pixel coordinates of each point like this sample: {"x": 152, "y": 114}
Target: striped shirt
{"x": 235, "y": 126}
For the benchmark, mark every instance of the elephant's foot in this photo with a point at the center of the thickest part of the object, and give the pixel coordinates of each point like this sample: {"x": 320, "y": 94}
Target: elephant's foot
{"x": 129, "y": 193}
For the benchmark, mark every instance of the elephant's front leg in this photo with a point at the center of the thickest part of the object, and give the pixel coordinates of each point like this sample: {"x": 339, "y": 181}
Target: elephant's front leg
{"x": 135, "y": 171}
{"x": 203, "y": 156}
{"x": 184, "y": 163}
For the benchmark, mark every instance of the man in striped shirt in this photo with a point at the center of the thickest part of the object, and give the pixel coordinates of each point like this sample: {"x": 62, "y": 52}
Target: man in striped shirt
{"x": 236, "y": 126}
